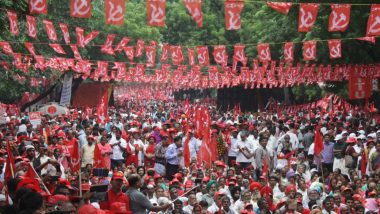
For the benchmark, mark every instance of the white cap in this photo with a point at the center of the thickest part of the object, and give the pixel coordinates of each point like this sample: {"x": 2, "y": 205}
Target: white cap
{"x": 372, "y": 135}
{"x": 378, "y": 131}
{"x": 338, "y": 137}
{"x": 362, "y": 136}
{"x": 324, "y": 130}
{"x": 352, "y": 135}
{"x": 362, "y": 132}
{"x": 29, "y": 147}
{"x": 344, "y": 132}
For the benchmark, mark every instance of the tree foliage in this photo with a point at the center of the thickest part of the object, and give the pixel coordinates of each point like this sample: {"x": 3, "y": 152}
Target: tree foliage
{"x": 259, "y": 24}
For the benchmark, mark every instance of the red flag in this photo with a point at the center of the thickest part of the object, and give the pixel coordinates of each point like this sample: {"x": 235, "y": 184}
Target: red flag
{"x": 107, "y": 46}
{"x": 191, "y": 56}
{"x": 38, "y": 6}
{"x": 98, "y": 158}
{"x": 13, "y": 23}
{"x": 102, "y": 108}
{"x": 75, "y": 158}
{"x": 232, "y": 10}
{"x": 114, "y": 12}
{"x": 80, "y": 8}
{"x": 31, "y": 26}
{"x": 220, "y": 55}
{"x": 364, "y": 162}
{"x": 150, "y": 52}
{"x": 102, "y": 70}
{"x": 81, "y": 39}
{"x": 307, "y": 16}
{"x": 57, "y": 48}
{"x": 370, "y": 39}
{"x": 195, "y": 9}
{"x": 339, "y": 17}
{"x": 335, "y": 49}
{"x": 164, "y": 52}
{"x": 75, "y": 50}
{"x": 65, "y": 32}
{"x": 176, "y": 54}
{"x": 239, "y": 56}
{"x": 373, "y": 24}
{"x": 10, "y": 168}
{"x": 30, "y": 173}
{"x": 139, "y": 48}
{"x": 203, "y": 57}
{"x": 318, "y": 141}
{"x": 50, "y": 30}
{"x": 310, "y": 50}
{"x": 289, "y": 52}
{"x": 122, "y": 44}
{"x": 156, "y": 12}
{"x": 186, "y": 151}
{"x": 359, "y": 87}
{"x": 263, "y": 51}
{"x": 282, "y": 7}
{"x": 30, "y": 48}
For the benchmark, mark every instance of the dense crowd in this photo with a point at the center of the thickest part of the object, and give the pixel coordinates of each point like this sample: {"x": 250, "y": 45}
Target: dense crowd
{"x": 134, "y": 162}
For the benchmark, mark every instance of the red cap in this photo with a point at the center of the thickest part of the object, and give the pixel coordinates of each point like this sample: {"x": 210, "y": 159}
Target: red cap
{"x": 255, "y": 185}
{"x": 118, "y": 176}
{"x": 65, "y": 182}
{"x": 220, "y": 163}
{"x": 290, "y": 188}
{"x": 189, "y": 184}
{"x": 351, "y": 140}
{"x": 178, "y": 176}
{"x": 88, "y": 209}
{"x": 206, "y": 179}
{"x": 157, "y": 176}
{"x": 54, "y": 199}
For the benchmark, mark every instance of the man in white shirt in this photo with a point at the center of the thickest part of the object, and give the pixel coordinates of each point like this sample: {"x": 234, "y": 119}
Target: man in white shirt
{"x": 191, "y": 201}
{"x": 118, "y": 145}
{"x": 231, "y": 152}
{"x": 244, "y": 150}
{"x": 194, "y": 145}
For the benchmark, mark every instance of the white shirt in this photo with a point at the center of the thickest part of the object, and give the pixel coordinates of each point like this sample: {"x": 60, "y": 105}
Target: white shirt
{"x": 117, "y": 153}
{"x": 293, "y": 139}
{"x": 239, "y": 155}
{"x": 194, "y": 146}
{"x": 231, "y": 152}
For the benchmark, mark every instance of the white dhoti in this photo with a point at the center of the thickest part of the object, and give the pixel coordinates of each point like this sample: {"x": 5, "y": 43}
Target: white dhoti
{"x": 340, "y": 163}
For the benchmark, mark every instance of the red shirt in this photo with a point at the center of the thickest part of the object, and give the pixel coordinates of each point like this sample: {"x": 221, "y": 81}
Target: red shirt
{"x": 115, "y": 197}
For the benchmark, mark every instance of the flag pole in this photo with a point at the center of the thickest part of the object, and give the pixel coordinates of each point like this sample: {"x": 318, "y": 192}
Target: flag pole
{"x": 185, "y": 193}
{"x": 39, "y": 179}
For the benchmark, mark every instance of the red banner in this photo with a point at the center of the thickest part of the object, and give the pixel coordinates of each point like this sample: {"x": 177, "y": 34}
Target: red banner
{"x": 80, "y": 8}
{"x": 150, "y": 52}
{"x": 335, "y": 48}
{"x": 156, "y": 12}
{"x": 191, "y": 56}
{"x": 232, "y": 10}
{"x": 176, "y": 55}
{"x": 50, "y": 30}
{"x": 282, "y": 7}
{"x": 310, "y": 50}
{"x": 195, "y": 9}
{"x": 75, "y": 50}
{"x": 82, "y": 40}
{"x": 359, "y": 86}
{"x": 57, "y": 48}
{"x": 263, "y": 50}
{"x": 139, "y": 48}
{"x": 307, "y": 16}
{"x": 220, "y": 55}
{"x": 370, "y": 39}
{"x": 339, "y": 17}
{"x": 30, "y": 48}
{"x": 130, "y": 52}
{"x": 203, "y": 57}
{"x": 65, "y": 32}
{"x": 114, "y": 11}
{"x": 38, "y": 6}
{"x": 289, "y": 52}
{"x": 107, "y": 46}
{"x": 239, "y": 56}
{"x": 31, "y": 26}
{"x": 122, "y": 44}
{"x": 121, "y": 69}
{"x": 13, "y": 23}
{"x": 373, "y": 25}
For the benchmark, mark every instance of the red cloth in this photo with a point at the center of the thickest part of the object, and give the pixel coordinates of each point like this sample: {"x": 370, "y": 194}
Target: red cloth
{"x": 318, "y": 142}
{"x": 115, "y": 197}
{"x": 149, "y": 150}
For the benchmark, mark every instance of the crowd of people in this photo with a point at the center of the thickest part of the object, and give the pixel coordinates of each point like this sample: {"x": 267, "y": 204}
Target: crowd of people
{"x": 265, "y": 162}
